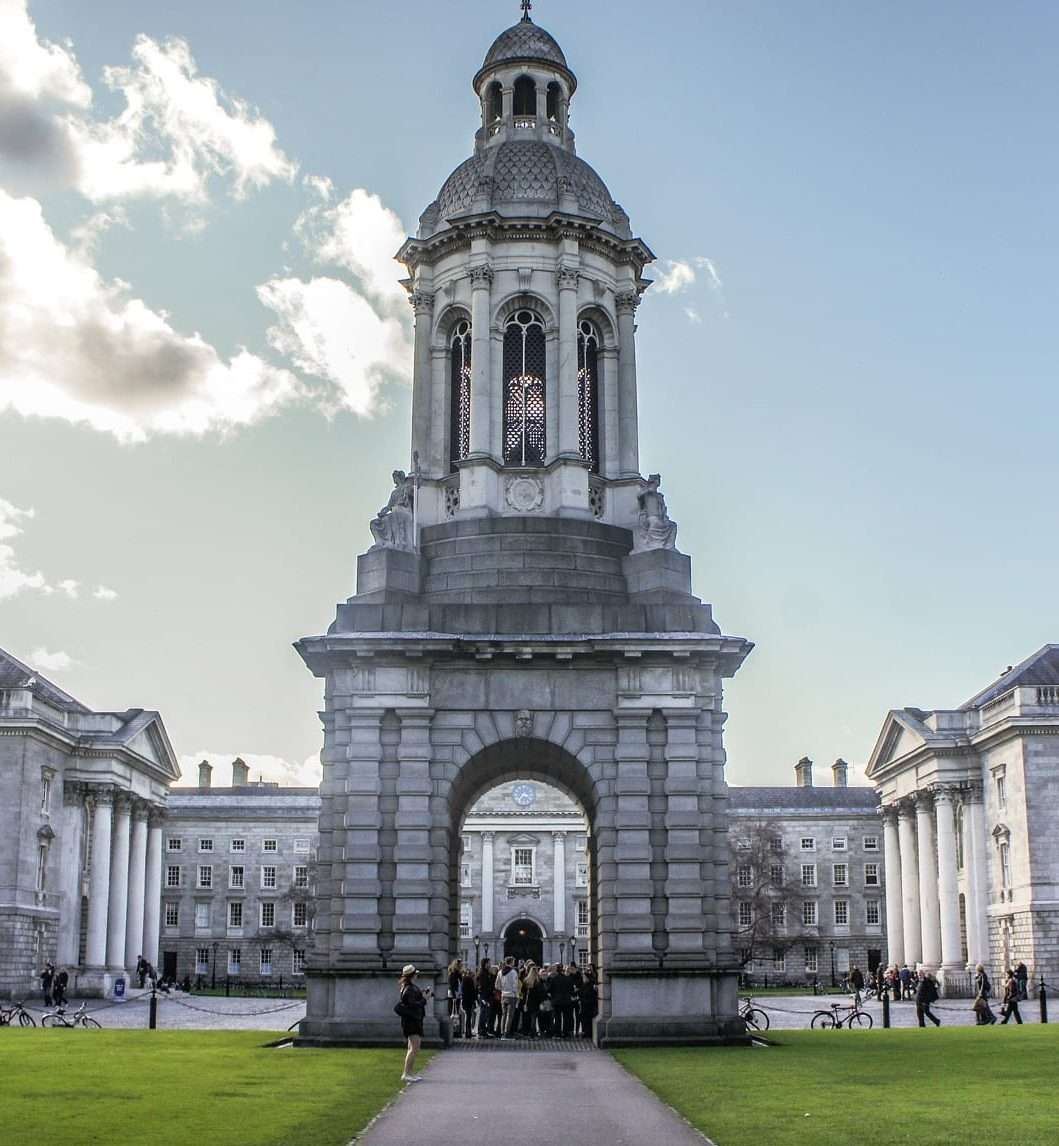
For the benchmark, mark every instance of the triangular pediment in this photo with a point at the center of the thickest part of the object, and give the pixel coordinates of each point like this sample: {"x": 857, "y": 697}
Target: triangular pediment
{"x": 145, "y": 735}
{"x": 523, "y": 839}
{"x": 902, "y": 733}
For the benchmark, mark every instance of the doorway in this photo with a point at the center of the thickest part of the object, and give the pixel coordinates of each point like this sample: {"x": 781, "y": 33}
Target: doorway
{"x": 169, "y": 965}
{"x": 523, "y": 941}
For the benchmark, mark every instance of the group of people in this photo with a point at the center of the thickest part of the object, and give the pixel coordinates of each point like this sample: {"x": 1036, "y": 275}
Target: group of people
{"x": 1015, "y": 990}
{"x": 54, "y": 983}
{"x": 521, "y": 1000}
{"x": 921, "y": 987}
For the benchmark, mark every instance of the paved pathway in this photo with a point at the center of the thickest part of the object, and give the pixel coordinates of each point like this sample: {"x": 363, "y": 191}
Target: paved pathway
{"x": 794, "y": 1012}
{"x": 550, "y": 1098}
{"x": 180, "y": 1012}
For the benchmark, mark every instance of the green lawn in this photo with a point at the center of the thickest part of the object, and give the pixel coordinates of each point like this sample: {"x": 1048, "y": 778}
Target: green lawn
{"x": 840, "y": 1088}
{"x": 172, "y": 1088}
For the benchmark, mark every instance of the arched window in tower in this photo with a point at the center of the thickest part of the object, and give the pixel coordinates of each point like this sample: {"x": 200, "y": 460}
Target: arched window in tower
{"x": 524, "y": 389}
{"x": 525, "y": 98}
{"x": 588, "y": 393}
{"x": 554, "y": 96}
{"x": 460, "y": 393}
{"x": 494, "y": 106}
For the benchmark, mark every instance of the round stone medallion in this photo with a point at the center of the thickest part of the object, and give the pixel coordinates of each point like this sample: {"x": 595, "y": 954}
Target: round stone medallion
{"x": 525, "y": 494}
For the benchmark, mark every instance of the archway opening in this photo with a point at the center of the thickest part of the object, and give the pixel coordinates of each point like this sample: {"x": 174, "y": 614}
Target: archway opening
{"x": 524, "y": 942}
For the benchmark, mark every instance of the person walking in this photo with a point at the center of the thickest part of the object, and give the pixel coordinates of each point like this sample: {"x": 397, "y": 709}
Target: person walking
{"x": 926, "y": 994}
{"x": 507, "y": 985}
{"x": 46, "y": 977}
{"x": 58, "y": 988}
{"x": 412, "y": 1009}
{"x": 905, "y": 978}
{"x": 1022, "y": 976}
{"x": 141, "y": 970}
{"x": 856, "y": 983}
{"x": 983, "y": 1014}
{"x": 1011, "y": 999}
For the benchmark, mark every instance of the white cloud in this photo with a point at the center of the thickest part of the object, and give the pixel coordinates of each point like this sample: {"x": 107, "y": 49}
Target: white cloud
{"x": 102, "y": 593}
{"x": 177, "y": 131}
{"x": 674, "y": 276}
{"x": 14, "y": 580}
{"x": 44, "y": 661}
{"x": 274, "y": 769}
{"x": 70, "y": 587}
{"x": 77, "y": 347}
{"x": 320, "y": 185}
{"x": 693, "y": 315}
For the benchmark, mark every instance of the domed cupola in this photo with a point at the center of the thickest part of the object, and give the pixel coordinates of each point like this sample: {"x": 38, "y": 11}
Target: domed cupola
{"x": 524, "y": 43}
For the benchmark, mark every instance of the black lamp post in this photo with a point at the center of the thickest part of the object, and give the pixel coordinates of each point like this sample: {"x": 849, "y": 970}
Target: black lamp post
{"x": 562, "y": 952}
{"x": 213, "y": 967}
{"x": 477, "y": 947}
{"x": 831, "y": 944}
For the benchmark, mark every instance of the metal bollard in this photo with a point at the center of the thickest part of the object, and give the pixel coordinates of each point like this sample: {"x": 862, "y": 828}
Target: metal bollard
{"x": 152, "y": 1010}
{"x": 886, "y": 1008}
{"x": 227, "y": 988}
{"x": 1044, "y": 1001}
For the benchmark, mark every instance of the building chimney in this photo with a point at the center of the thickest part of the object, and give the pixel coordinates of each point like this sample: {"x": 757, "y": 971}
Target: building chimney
{"x": 240, "y": 773}
{"x": 205, "y": 772}
{"x": 803, "y": 772}
{"x": 840, "y": 773}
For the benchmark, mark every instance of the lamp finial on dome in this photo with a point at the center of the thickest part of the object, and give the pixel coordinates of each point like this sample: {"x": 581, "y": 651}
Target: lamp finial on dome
{"x": 526, "y": 6}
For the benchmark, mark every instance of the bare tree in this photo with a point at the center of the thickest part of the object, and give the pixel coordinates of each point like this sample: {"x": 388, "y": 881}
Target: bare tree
{"x": 765, "y": 894}
{"x": 297, "y": 902}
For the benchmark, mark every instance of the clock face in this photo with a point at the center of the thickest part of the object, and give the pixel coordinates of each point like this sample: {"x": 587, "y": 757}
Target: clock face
{"x": 523, "y": 795}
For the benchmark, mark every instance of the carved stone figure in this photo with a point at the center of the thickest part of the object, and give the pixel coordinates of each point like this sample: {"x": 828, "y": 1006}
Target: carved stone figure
{"x": 655, "y": 530}
{"x": 523, "y": 722}
{"x": 392, "y": 526}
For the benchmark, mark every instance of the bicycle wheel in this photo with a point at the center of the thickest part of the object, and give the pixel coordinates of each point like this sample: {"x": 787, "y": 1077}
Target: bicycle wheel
{"x": 823, "y": 1021}
{"x": 26, "y": 1020}
{"x": 757, "y": 1018}
{"x": 90, "y": 1025}
{"x": 52, "y": 1021}
{"x": 861, "y": 1019}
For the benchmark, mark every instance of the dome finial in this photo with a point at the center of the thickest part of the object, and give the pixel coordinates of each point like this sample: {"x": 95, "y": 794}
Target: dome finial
{"x": 526, "y": 6}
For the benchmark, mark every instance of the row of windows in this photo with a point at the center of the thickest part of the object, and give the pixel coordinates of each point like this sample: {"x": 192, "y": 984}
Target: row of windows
{"x": 205, "y": 844}
{"x": 808, "y": 843}
{"x": 235, "y": 914}
{"x": 235, "y": 960}
{"x": 523, "y": 100}
{"x": 744, "y": 876}
{"x": 810, "y": 913}
{"x": 779, "y": 960}
{"x": 524, "y": 870}
{"x": 267, "y": 873}
{"x": 524, "y": 403}
{"x": 580, "y": 931}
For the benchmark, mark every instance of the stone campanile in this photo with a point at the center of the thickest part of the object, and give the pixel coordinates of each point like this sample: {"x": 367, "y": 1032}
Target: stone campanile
{"x": 524, "y": 611}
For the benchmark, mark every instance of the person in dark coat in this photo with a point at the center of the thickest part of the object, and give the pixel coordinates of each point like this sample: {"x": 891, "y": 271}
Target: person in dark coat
{"x": 468, "y": 1000}
{"x": 926, "y": 994}
{"x": 589, "y": 1000}
{"x": 905, "y": 977}
{"x": 141, "y": 970}
{"x": 561, "y": 992}
{"x": 486, "y": 977}
{"x": 412, "y": 1008}
{"x": 58, "y": 988}
{"x": 46, "y": 977}
{"x": 1011, "y": 999}
{"x": 983, "y": 1014}
{"x": 1022, "y": 976}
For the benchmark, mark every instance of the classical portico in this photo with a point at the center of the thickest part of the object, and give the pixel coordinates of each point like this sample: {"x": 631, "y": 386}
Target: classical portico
{"x": 84, "y": 862}
{"x": 524, "y": 612}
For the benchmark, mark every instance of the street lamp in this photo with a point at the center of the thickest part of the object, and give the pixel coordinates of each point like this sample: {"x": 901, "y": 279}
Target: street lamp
{"x": 831, "y": 944}
{"x": 213, "y": 967}
{"x": 477, "y": 946}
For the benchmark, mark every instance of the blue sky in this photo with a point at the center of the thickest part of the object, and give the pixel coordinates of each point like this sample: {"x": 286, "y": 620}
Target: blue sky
{"x": 863, "y": 464}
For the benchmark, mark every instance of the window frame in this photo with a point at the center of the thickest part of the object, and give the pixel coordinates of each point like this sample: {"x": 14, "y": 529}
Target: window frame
{"x": 269, "y": 906}
{"x": 809, "y": 868}
{"x": 516, "y": 865}
{"x": 745, "y": 913}
{"x": 810, "y": 913}
{"x": 583, "y": 921}
{"x": 235, "y": 908}
{"x": 237, "y": 882}
{"x": 869, "y": 880}
{"x": 266, "y": 877}
{"x": 840, "y": 875}
{"x": 171, "y": 908}
{"x": 204, "y": 877}
{"x": 807, "y": 843}
{"x": 840, "y": 906}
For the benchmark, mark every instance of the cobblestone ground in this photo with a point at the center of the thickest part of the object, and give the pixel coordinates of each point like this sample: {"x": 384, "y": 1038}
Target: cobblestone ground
{"x": 794, "y": 1012}
{"x": 181, "y": 1012}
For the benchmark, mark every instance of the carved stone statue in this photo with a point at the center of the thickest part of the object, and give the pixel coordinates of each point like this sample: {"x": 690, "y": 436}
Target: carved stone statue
{"x": 523, "y": 723}
{"x": 392, "y": 527}
{"x": 654, "y": 529}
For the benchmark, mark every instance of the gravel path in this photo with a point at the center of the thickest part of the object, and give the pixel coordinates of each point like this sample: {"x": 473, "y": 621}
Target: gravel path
{"x": 180, "y": 1012}
{"x": 794, "y": 1012}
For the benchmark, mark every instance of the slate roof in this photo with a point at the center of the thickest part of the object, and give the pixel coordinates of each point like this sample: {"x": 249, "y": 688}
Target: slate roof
{"x": 15, "y": 674}
{"x": 525, "y": 41}
{"x": 796, "y": 798}
{"x": 1041, "y": 668}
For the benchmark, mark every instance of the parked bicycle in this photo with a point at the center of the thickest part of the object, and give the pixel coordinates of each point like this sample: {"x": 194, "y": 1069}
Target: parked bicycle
{"x": 832, "y": 1019}
{"x": 754, "y": 1017}
{"x": 80, "y": 1018}
{"x": 19, "y": 1012}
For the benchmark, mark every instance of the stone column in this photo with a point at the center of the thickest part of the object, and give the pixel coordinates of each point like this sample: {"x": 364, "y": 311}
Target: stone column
{"x": 421, "y": 879}
{"x": 627, "y": 910}
{"x": 569, "y": 443}
{"x": 481, "y": 404}
{"x": 681, "y": 932}
{"x": 928, "y": 881}
{"x": 487, "y": 882}
{"x": 99, "y": 877}
{"x": 71, "y": 845}
{"x": 909, "y": 884}
{"x": 119, "y": 883}
{"x": 630, "y": 450}
{"x": 423, "y": 304}
{"x": 152, "y": 895}
{"x": 559, "y": 882}
{"x": 137, "y": 885}
{"x": 948, "y": 895}
{"x": 895, "y": 926}
{"x": 974, "y": 851}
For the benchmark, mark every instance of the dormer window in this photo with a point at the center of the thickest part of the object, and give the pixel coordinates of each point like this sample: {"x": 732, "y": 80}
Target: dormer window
{"x": 460, "y": 393}
{"x": 524, "y": 390}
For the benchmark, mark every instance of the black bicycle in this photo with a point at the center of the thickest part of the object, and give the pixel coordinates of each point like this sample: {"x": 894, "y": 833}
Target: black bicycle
{"x": 754, "y": 1017}
{"x": 832, "y": 1020}
{"x": 19, "y": 1012}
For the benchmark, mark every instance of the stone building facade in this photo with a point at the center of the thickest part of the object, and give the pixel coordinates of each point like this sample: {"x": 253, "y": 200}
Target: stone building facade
{"x": 524, "y": 876}
{"x": 238, "y": 879}
{"x": 808, "y": 884}
{"x": 524, "y": 612}
{"x": 84, "y": 796}
{"x": 971, "y": 803}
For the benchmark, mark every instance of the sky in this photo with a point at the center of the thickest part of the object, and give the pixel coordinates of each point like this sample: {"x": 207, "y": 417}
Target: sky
{"x": 205, "y": 355}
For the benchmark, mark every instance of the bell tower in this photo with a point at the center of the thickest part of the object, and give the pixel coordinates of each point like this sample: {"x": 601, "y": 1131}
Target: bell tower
{"x": 524, "y": 611}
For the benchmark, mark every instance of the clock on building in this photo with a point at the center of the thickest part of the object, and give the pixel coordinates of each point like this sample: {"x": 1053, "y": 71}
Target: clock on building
{"x": 523, "y": 795}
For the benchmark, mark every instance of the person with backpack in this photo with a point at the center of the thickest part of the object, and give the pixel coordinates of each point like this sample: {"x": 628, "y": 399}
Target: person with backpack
{"x": 926, "y": 994}
{"x": 1011, "y": 999}
{"x": 507, "y": 984}
{"x": 983, "y": 1014}
{"x": 411, "y": 1008}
